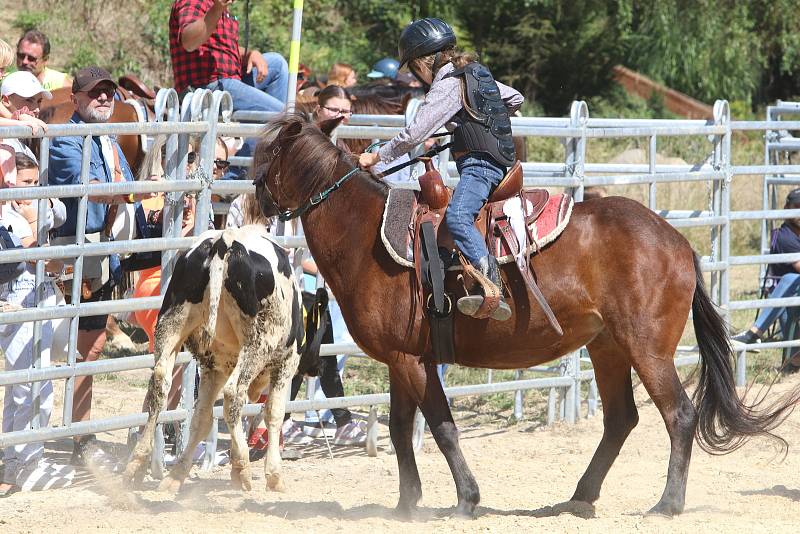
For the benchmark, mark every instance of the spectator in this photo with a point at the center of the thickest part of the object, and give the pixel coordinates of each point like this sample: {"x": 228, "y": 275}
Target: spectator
{"x": 334, "y": 102}
{"x": 25, "y": 469}
{"x": 785, "y": 240}
{"x": 205, "y": 52}
{"x": 7, "y": 117}
{"x": 384, "y": 69}
{"x": 93, "y": 97}
{"x": 343, "y": 75}
{"x": 22, "y": 94}
{"x": 33, "y": 53}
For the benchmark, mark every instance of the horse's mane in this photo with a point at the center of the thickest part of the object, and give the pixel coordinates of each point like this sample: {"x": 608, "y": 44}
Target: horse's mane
{"x": 313, "y": 155}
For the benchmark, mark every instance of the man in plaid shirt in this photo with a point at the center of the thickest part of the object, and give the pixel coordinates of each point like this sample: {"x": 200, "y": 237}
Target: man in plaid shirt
{"x": 205, "y": 51}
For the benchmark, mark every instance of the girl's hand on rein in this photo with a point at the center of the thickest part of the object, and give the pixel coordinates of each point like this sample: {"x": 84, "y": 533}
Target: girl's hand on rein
{"x": 367, "y": 160}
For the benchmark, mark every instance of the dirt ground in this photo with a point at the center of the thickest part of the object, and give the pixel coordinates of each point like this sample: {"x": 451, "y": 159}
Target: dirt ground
{"x": 525, "y": 472}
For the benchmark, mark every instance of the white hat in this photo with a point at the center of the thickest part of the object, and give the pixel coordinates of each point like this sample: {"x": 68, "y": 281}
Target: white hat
{"x": 24, "y": 84}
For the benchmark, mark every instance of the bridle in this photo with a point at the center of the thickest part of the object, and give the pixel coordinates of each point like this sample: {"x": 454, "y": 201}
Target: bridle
{"x": 285, "y": 214}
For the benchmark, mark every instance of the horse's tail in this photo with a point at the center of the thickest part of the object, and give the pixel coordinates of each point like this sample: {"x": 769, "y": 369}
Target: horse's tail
{"x": 725, "y": 423}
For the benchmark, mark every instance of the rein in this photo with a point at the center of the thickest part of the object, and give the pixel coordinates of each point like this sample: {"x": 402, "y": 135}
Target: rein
{"x": 429, "y": 154}
{"x": 285, "y": 215}
{"x": 288, "y": 215}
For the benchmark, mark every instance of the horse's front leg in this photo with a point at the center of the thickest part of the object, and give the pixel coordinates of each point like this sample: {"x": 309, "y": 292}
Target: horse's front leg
{"x": 437, "y": 413}
{"x": 401, "y": 425}
{"x": 421, "y": 382}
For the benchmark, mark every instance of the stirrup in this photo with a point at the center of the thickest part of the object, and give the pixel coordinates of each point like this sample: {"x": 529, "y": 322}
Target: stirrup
{"x": 470, "y": 304}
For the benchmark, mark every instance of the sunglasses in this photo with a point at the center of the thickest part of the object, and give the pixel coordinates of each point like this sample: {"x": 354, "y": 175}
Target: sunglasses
{"x": 95, "y": 92}
{"x": 22, "y": 57}
{"x": 222, "y": 164}
{"x": 190, "y": 157}
{"x": 337, "y": 111}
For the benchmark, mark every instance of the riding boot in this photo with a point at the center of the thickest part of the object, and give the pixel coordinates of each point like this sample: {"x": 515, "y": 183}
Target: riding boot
{"x": 469, "y": 305}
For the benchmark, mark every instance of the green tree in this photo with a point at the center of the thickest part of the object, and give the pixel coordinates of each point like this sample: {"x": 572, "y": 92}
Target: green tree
{"x": 708, "y": 49}
{"x": 554, "y": 51}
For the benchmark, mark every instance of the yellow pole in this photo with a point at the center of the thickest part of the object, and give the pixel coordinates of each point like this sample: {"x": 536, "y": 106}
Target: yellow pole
{"x": 294, "y": 53}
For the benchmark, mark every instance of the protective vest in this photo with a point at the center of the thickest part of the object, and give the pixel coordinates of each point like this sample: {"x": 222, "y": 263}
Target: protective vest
{"x": 484, "y": 123}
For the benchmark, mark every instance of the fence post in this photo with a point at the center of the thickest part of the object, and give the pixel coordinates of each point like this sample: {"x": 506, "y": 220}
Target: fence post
{"x": 294, "y": 53}
{"x": 572, "y": 370}
{"x": 722, "y": 161}
{"x": 77, "y": 274}
{"x": 167, "y": 109}
{"x": 518, "y": 411}
{"x": 574, "y": 167}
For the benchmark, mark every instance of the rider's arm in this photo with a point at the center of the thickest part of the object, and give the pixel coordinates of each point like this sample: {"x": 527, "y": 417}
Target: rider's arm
{"x": 197, "y": 32}
{"x": 441, "y": 103}
{"x": 511, "y": 97}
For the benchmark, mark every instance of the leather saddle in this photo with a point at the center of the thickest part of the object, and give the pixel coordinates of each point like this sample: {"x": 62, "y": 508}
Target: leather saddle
{"x": 492, "y": 222}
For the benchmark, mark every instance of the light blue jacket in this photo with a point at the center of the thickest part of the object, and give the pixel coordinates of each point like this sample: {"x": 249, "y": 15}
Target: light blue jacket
{"x": 65, "y": 169}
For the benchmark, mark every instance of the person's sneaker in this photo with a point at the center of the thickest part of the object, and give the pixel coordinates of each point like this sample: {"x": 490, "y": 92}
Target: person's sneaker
{"x": 293, "y": 434}
{"x": 748, "y": 337}
{"x": 350, "y": 434}
{"x": 45, "y": 475}
{"x": 316, "y": 430}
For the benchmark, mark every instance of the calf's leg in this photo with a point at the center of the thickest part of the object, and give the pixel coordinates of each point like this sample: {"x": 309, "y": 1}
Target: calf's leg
{"x": 274, "y": 409}
{"x": 211, "y": 382}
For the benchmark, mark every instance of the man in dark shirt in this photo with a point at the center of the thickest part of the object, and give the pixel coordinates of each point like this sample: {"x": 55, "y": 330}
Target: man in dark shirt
{"x": 205, "y": 52}
{"x": 785, "y": 240}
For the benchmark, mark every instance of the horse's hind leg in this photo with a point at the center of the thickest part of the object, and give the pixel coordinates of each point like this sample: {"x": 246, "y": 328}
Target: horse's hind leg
{"x": 401, "y": 423}
{"x": 613, "y": 375}
{"x": 680, "y": 417}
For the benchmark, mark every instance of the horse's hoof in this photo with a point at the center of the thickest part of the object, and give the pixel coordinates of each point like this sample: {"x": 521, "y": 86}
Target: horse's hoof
{"x": 405, "y": 511}
{"x": 464, "y": 510}
{"x": 664, "y": 510}
{"x": 170, "y": 485}
{"x": 275, "y": 483}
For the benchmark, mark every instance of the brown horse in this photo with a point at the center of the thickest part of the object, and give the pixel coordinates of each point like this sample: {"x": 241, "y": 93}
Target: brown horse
{"x": 620, "y": 280}
{"x": 60, "y": 109}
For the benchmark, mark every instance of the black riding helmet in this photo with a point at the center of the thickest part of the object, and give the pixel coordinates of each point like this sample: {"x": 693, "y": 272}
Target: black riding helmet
{"x": 423, "y": 38}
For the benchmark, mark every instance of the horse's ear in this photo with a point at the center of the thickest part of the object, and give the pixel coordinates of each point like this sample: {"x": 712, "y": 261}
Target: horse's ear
{"x": 330, "y": 125}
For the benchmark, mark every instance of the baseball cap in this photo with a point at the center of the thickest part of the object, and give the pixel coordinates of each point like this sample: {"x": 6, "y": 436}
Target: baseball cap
{"x": 24, "y": 84}
{"x": 88, "y": 77}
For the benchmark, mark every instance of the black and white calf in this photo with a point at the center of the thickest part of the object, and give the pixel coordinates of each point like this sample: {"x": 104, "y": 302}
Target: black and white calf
{"x": 234, "y": 303}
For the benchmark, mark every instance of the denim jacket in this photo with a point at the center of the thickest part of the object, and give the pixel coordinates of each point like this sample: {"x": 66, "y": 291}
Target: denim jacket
{"x": 65, "y": 169}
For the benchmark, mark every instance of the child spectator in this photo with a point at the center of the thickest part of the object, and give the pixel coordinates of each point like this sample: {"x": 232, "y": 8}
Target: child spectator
{"x": 21, "y": 116}
{"x": 25, "y": 469}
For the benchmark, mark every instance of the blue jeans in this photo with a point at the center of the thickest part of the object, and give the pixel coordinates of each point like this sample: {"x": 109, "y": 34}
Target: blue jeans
{"x": 479, "y": 176}
{"x": 788, "y": 286}
{"x": 249, "y": 95}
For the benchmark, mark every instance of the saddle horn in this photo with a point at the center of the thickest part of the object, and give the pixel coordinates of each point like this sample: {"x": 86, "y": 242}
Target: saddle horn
{"x": 434, "y": 192}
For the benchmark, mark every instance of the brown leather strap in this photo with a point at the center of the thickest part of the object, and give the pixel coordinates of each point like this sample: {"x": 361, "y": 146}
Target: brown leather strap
{"x": 507, "y": 234}
{"x": 111, "y": 215}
